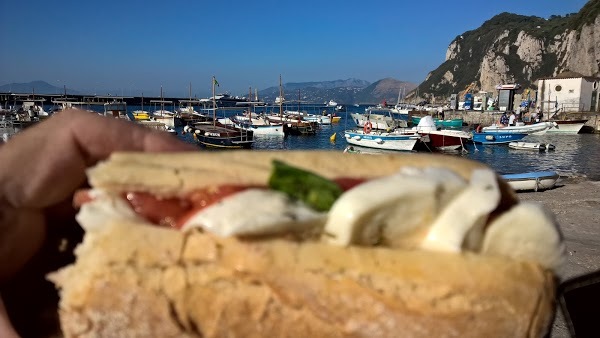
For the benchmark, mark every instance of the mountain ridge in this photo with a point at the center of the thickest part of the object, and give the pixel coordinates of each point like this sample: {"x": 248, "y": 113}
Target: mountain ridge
{"x": 513, "y": 48}
{"x": 347, "y": 91}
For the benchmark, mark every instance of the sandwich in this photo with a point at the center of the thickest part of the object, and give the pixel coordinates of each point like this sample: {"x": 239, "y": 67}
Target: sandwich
{"x": 307, "y": 244}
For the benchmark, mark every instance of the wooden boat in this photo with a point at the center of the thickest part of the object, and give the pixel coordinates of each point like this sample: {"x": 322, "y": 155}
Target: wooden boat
{"x": 221, "y": 136}
{"x": 538, "y": 180}
{"x": 497, "y": 137}
{"x": 216, "y": 135}
{"x": 537, "y": 146}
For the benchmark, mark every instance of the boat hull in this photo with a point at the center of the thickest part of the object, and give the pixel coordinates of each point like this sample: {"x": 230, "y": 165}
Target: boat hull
{"x": 447, "y": 140}
{"x": 386, "y": 141}
{"x": 535, "y": 181}
{"x": 378, "y": 121}
{"x": 222, "y": 137}
{"x": 537, "y": 128}
{"x": 567, "y": 127}
{"x": 535, "y": 146}
{"x": 497, "y": 138}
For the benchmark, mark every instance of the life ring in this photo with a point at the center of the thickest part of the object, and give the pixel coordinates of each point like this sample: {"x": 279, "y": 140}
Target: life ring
{"x": 368, "y": 127}
{"x": 479, "y": 128}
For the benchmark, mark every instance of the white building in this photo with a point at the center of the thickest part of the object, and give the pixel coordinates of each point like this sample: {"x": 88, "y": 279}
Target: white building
{"x": 568, "y": 92}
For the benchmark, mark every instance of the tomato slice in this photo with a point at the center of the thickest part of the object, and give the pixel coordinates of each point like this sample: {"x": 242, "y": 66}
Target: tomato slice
{"x": 203, "y": 198}
{"x": 347, "y": 183}
{"x": 161, "y": 211}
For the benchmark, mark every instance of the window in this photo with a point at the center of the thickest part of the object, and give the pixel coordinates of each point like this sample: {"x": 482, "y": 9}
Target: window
{"x": 595, "y": 85}
{"x": 558, "y": 88}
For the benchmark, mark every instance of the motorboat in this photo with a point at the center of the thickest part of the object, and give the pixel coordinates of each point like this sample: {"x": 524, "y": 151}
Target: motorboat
{"x": 157, "y": 126}
{"x": 259, "y": 125}
{"x": 450, "y": 123}
{"x": 443, "y": 140}
{"x": 521, "y": 128}
{"x": 537, "y": 146}
{"x": 394, "y": 140}
{"x": 497, "y": 137}
{"x": 380, "y": 118}
{"x": 332, "y": 103}
{"x": 567, "y": 126}
{"x": 538, "y": 180}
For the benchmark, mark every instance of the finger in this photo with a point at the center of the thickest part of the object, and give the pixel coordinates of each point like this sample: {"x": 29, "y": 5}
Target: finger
{"x": 44, "y": 164}
{"x": 6, "y": 329}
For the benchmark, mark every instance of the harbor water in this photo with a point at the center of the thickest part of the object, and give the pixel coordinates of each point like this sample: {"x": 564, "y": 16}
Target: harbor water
{"x": 574, "y": 156}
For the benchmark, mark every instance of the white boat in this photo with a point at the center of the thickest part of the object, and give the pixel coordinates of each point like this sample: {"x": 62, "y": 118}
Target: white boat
{"x": 117, "y": 109}
{"x": 258, "y": 125}
{"x": 521, "y": 128}
{"x": 396, "y": 140}
{"x": 332, "y": 103}
{"x": 537, "y": 146}
{"x": 320, "y": 119}
{"x": 567, "y": 127}
{"x": 161, "y": 114}
{"x": 157, "y": 126}
{"x": 382, "y": 119}
{"x": 535, "y": 181}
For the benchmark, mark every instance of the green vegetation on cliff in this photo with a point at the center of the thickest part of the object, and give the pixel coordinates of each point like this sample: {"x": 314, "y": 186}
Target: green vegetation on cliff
{"x": 495, "y": 39}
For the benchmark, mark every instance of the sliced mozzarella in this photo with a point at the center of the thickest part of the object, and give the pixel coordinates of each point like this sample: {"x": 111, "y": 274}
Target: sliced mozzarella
{"x": 526, "y": 232}
{"x": 104, "y": 206}
{"x": 392, "y": 210}
{"x": 469, "y": 210}
{"x": 255, "y": 212}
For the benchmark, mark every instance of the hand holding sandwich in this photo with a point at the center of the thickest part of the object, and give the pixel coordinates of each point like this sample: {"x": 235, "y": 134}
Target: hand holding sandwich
{"x": 42, "y": 166}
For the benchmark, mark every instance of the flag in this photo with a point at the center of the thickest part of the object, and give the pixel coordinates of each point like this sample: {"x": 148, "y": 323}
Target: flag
{"x": 216, "y": 82}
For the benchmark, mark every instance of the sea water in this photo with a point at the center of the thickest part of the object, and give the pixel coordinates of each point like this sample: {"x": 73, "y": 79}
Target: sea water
{"x": 574, "y": 156}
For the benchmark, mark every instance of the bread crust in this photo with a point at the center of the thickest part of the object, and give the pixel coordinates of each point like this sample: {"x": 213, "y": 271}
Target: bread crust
{"x": 136, "y": 280}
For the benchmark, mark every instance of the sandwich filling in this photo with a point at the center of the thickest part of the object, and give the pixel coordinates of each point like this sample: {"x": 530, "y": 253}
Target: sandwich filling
{"x": 430, "y": 209}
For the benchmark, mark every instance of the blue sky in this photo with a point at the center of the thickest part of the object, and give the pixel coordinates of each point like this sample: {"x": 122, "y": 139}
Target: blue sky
{"x": 129, "y": 47}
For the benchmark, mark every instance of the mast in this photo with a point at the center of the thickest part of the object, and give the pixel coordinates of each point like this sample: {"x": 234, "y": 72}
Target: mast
{"x": 162, "y": 102}
{"x": 214, "y": 101}
{"x": 250, "y": 104}
{"x": 280, "y": 99}
{"x": 142, "y": 101}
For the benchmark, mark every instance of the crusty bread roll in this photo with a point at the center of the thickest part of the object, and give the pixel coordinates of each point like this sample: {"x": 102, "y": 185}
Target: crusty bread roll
{"x": 136, "y": 280}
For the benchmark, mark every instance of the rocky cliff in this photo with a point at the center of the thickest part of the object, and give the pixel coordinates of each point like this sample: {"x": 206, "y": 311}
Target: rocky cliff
{"x": 512, "y": 48}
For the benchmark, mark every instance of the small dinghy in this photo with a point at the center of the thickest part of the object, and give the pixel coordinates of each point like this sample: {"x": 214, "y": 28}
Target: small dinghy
{"x": 531, "y": 146}
{"x": 538, "y": 180}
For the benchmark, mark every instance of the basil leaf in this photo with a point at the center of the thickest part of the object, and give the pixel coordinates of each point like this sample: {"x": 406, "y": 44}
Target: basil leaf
{"x": 316, "y": 191}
